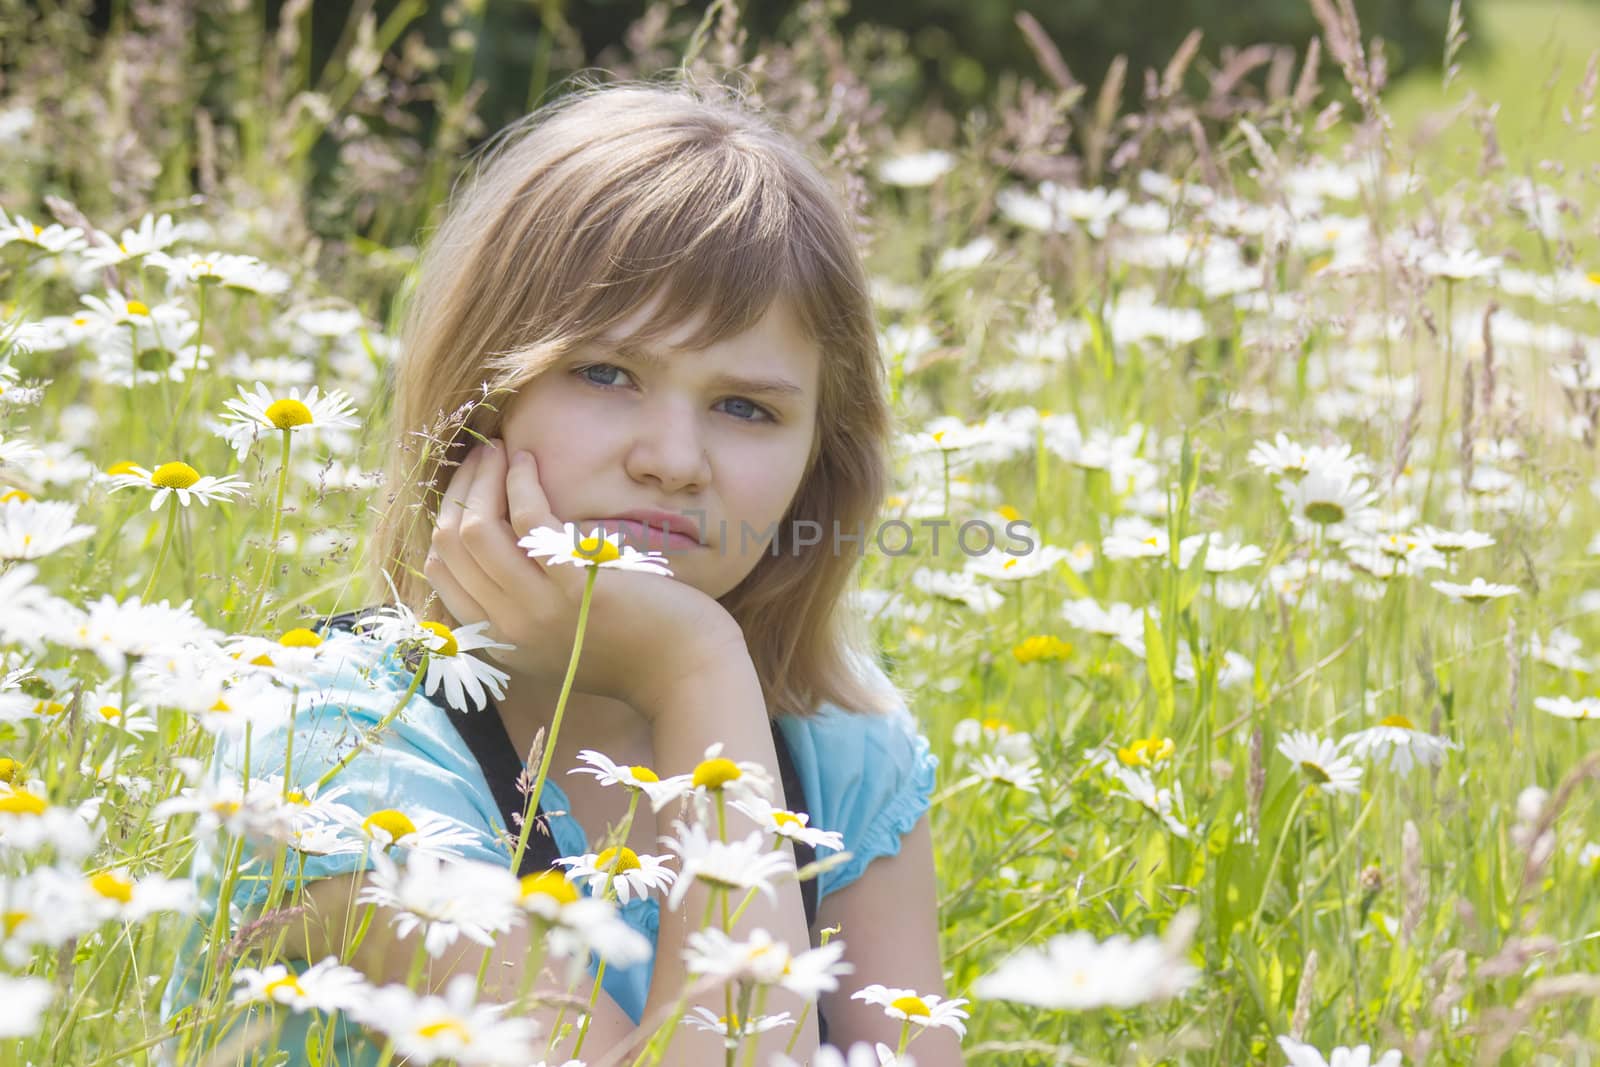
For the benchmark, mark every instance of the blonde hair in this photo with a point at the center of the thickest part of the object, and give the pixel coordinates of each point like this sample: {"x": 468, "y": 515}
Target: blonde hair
{"x": 578, "y": 215}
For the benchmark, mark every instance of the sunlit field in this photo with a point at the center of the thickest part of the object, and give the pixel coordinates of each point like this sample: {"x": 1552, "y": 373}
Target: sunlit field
{"x": 1274, "y": 741}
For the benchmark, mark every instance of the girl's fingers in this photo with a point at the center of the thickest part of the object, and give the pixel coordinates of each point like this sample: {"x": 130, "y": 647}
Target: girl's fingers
{"x": 525, "y": 496}
{"x": 456, "y": 600}
{"x": 455, "y": 494}
{"x": 486, "y": 496}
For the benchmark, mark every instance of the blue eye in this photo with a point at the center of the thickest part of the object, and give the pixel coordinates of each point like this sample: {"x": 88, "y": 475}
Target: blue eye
{"x": 757, "y": 412}
{"x": 602, "y": 367}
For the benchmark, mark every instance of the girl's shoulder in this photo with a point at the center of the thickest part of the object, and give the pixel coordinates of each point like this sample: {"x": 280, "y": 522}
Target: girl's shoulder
{"x": 867, "y": 776}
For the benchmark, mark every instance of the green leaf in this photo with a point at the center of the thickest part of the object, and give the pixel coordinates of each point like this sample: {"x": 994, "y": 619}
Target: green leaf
{"x": 1160, "y": 668}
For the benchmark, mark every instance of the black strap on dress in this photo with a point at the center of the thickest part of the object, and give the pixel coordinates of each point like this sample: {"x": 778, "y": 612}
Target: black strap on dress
{"x": 485, "y": 735}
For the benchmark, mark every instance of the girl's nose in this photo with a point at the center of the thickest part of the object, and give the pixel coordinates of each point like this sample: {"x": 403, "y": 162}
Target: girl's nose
{"x": 669, "y": 449}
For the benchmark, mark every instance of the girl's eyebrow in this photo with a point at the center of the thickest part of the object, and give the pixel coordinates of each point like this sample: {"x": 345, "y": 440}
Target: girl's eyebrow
{"x": 773, "y": 387}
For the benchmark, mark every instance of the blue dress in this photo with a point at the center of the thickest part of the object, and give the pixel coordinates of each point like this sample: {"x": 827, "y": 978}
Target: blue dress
{"x": 868, "y": 777}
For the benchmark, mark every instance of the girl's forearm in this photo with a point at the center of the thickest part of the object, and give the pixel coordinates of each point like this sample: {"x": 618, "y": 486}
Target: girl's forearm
{"x": 725, "y": 705}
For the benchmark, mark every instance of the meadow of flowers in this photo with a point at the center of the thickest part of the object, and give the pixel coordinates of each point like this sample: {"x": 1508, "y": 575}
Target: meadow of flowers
{"x": 1274, "y": 745}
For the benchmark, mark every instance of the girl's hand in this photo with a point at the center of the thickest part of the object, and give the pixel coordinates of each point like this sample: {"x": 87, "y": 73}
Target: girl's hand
{"x": 645, "y": 632}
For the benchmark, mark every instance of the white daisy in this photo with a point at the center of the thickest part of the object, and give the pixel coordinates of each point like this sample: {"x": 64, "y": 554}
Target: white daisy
{"x": 629, "y": 873}
{"x": 736, "y": 779}
{"x": 958, "y": 587}
{"x": 1458, "y": 264}
{"x": 326, "y": 985}
{"x": 593, "y": 549}
{"x": 1018, "y": 774}
{"x": 1476, "y": 592}
{"x": 53, "y": 238}
{"x": 180, "y": 478}
{"x": 1220, "y": 558}
{"x": 916, "y": 168}
{"x": 445, "y": 899}
{"x": 739, "y": 865}
{"x": 1075, "y": 972}
{"x": 762, "y": 960}
{"x": 1449, "y": 542}
{"x": 1402, "y": 742}
{"x": 153, "y": 235}
{"x": 634, "y": 777}
{"x": 920, "y": 1009}
{"x": 111, "y": 894}
{"x": 577, "y": 925}
{"x": 24, "y": 1000}
{"x": 29, "y": 821}
{"x": 243, "y": 273}
{"x": 1303, "y": 1055}
{"x": 1567, "y": 708}
{"x": 1330, "y": 497}
{"x": 860, "y": 1054}
{"x": 462, "y": 676}
{"x": 1117, "y": 620}
{"x": 251, "y": 416}
{"x": 30, "y": 529}
{"x": 465, "y": 678}
{"x": 703, "y": 1019}
{"x": 1319, "y": 759}
{"x": 790, "y": 824}
{"x": 1562, "y": 650}
{"x": 418, "y": 831}
{"x": 425, "y": 1028}
{"x": 116, "y": 630}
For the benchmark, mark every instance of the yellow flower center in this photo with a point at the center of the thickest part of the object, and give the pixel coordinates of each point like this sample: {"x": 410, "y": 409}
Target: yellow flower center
{"x": 112, "y": 887}
{"x": 110, "y": 711}
{"x": 787, "y": 818}
{"x": 1397, "y": 720}
{"x": 1042, "y": 647}
{"x": 643, "y": 774}
{"x": 439, "y": 629}
{"x": 996, "y": 725}
{"x": 626, "y": 859}
{"x": 446, "y": 1026}
{"x": 716, "y": 773}
{"x": 288, "y": 413}
{"x": 1594, "y": 276}
{"x": 220, "y": 705}
{"x": 394, "y": 823}
{"x": 262, "y": 660}
{"x": 48, "y": 707}
{"x": 15, "y": 494}
{"x": 174, "y": 475}
{"x": 1315, "y": 773}
{"x": 124, "y": 467}
{"x": 549, "y": 884}
{"x": 300, "y": 637}
{"x": 138, "y": 307}
{"x": 596, "y": 547}
{"x": 10, "y": 770}
{"x": 289, "y": 982}
{"x": 13, "y": 919}
{"x": 1009, "y": 513}
{"x": 910, "y": 1005}
{"x": 22, "y": 802}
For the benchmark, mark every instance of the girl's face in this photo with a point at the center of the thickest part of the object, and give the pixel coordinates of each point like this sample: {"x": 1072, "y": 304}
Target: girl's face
{"x": 717, "y": 438}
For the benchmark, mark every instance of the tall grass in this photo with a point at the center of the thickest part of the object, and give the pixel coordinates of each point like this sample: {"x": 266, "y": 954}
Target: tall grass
{"x": 1104, "y": 314}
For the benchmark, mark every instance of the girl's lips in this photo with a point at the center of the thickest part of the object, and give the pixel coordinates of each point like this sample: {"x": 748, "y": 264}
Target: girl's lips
{"x": 648, "y": 538}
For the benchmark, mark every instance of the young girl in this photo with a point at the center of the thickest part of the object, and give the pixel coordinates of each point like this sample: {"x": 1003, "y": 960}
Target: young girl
{"x": 645, "y": 311}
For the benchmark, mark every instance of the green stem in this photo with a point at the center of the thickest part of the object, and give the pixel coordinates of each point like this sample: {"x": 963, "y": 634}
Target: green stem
{"x": 166, "y": 542}
{"x": 393, "y": 713}
{"x": 555, "y": 724}
{"x": 1266, "y": 884}
{"x": 272, "y": 545}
